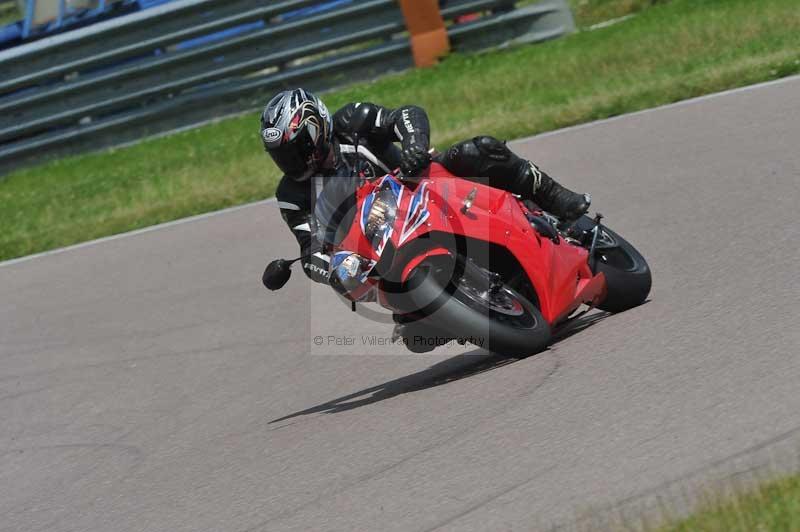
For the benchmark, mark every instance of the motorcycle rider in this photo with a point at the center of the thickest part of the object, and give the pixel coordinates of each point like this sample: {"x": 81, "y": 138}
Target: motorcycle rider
{"x": 314, "y": 149}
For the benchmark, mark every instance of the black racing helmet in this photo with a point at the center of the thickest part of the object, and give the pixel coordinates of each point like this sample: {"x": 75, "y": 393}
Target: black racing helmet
{"x": 297, "y": 132}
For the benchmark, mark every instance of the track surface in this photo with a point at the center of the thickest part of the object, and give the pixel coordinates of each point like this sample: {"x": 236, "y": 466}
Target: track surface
{"x": 141, "y": 378}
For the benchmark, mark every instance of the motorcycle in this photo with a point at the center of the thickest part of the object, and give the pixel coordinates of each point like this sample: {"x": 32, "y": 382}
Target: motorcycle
{"x": 453, "y": 259}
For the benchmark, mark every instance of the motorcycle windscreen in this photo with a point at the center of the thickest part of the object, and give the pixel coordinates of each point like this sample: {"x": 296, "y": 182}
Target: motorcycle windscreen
{"x": 335, "y": 208}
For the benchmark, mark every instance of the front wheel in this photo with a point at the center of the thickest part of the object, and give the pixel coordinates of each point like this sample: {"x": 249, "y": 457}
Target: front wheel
{"x": 473, "y": 304}
{"x": 628, "y": 276}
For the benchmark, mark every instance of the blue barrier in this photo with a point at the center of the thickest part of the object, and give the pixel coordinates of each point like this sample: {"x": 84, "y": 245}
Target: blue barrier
{"x": 313, "y": 10}
{"x": 218, "y": 36}
{"x": 11, "y": 33}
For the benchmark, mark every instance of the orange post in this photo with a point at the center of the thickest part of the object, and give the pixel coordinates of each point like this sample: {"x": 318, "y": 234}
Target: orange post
{"x": 429, "y": 39}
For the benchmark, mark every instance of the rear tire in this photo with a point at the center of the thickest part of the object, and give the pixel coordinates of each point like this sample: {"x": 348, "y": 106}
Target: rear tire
{"x": 501, "y": 321}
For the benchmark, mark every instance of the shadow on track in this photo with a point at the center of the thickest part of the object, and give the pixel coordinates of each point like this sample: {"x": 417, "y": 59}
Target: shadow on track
{"x": 446, "y": 371}
{"x": 578, "y": 325}
{"x": 452, "y": 369}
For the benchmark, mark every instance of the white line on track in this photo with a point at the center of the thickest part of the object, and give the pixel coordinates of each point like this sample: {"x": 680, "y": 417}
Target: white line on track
{"x": 610, "y": 22}
{"x": 181, "y": 221}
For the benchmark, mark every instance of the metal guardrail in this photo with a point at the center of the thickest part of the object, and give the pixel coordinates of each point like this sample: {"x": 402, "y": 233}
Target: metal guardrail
{"x": 122, "y": 80}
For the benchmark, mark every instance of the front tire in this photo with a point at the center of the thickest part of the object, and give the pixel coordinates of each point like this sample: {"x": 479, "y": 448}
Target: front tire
{"x": 628, "y": 276}
{"x": 469, "y": 303}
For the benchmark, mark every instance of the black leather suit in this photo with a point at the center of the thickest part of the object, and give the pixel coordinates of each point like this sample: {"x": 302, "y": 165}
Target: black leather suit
{"x": 485, "y": 157}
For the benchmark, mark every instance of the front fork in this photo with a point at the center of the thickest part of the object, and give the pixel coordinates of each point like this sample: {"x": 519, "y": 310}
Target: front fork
{"x": 597, "y": 228}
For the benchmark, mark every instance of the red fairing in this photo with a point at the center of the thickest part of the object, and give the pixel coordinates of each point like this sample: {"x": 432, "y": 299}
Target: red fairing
{"x": 559, "y": 272}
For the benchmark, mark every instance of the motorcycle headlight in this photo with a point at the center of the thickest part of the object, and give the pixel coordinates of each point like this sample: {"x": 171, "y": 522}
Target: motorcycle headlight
{"x": 348, "y": 270}
{"x": 380, "y": 212}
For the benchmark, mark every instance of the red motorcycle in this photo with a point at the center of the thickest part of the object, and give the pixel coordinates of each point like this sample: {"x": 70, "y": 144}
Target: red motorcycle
{"x": 457, "y": 260}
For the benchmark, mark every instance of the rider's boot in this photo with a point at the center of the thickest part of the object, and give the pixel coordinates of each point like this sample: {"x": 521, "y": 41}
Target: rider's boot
{"x": 555, "y": 198}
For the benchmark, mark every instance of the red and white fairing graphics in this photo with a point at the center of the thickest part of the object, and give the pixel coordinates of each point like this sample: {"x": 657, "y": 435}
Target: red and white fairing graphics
{"x": 558, "y": 271}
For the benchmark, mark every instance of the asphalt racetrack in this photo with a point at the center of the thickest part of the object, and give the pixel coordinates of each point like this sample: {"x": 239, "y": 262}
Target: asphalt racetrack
{"x": 150, "y": 383}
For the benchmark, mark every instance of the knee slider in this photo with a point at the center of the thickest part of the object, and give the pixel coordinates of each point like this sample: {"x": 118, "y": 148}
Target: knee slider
{"x": 492, "y": 148}
{"x": 463, "y": 159}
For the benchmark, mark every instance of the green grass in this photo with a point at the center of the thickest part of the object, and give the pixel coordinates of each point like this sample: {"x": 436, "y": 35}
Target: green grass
{"x": 773, "y": 507}
{"x": 9, "y": 13}
{"x": 669, "y": 52}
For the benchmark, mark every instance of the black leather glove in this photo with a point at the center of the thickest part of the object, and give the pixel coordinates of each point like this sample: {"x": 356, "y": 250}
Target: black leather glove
{"x": 414, "y": 159}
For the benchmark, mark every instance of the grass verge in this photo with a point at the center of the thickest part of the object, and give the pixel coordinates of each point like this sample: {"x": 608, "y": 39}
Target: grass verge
{"x": 669, "y": 52}
{"x": 773, "y": 507}
{"x": 589, "y": 12}
{"x": 9, "y": 13}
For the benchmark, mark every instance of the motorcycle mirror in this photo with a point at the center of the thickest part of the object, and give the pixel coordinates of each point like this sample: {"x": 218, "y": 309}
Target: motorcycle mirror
{"x": 363, "y": 118}
{"x": 277, "y": 274}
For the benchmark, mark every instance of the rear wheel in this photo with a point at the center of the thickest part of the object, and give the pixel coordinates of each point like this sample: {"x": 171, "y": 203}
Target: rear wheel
{"x": 627, "y": 274}
{"x": 471, "y": 303}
